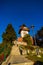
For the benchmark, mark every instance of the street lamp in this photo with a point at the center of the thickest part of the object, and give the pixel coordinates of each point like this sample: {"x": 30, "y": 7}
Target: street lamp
{"x": 32, "y": 26}
{"x": 37, "y": 49}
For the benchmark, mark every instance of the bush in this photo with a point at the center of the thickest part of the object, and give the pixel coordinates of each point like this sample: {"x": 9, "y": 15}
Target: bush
{"x": 27, "y": 38}
{"x": 1, "y": 57}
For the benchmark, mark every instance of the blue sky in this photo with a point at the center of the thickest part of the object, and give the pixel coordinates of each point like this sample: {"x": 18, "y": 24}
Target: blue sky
{"x": 18, "y": 12}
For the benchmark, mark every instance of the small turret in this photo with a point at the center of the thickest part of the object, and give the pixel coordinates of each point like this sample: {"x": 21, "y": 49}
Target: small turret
{"x": 23, "y": 30}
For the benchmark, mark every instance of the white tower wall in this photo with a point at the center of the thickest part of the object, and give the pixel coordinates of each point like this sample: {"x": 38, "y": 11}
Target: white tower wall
{"x": 23, "y": 33}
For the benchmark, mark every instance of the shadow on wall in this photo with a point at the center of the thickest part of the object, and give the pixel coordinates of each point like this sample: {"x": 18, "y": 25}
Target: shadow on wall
{"x": 38, "y": 63}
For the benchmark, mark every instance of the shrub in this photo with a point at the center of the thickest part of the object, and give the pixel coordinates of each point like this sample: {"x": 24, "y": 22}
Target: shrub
{"x": 27, "y": 38}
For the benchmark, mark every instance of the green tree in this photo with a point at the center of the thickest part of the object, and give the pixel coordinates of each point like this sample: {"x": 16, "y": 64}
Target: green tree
{"x": 9, "y": 34}
{"x": 27, "y": 38}
{"x": 40, "y": 33}
{"x": 39, "y": 37}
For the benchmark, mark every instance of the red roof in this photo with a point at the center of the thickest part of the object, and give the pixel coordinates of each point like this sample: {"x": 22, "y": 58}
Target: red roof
{"x": 20, "y": 39}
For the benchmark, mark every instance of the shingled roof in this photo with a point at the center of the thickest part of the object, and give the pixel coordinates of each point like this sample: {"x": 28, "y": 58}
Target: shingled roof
{"x": 24, "y": 27}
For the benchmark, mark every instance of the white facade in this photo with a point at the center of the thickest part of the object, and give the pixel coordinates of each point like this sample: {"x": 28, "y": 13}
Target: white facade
{"x": 23, "y": 33}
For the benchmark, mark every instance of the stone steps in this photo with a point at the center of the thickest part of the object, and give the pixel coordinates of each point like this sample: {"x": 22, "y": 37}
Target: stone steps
{"x": 16, "y": 59}
{"x": 26, "y": 63}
